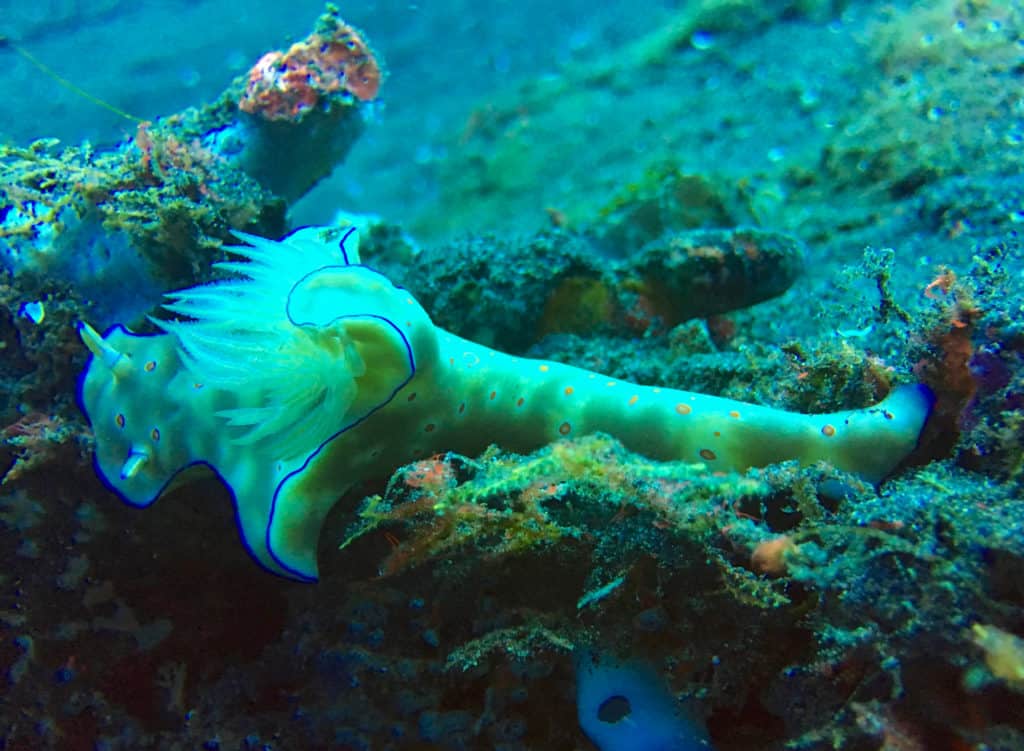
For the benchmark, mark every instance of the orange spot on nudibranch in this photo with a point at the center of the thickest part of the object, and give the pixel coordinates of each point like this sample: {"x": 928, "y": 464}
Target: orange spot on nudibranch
{"x": 493, "y": 394}
{"x": 543, "y": 368}
{"x": 119, "y": 420}
{"x": 565, "y": 428}
{"x": 155, "y": 435}
{"x": 150, "y": 366}
{"x": 633, "y": 400}
{"x": 568, "y": 390}
{"x": 519, "y": 402}
{"x": 684, "y": 409}
{"x": 734, "y": 414}
{"x": 707, "y": 454}
{"x": 718, "y": 434}
{"x": 828, "y": 431}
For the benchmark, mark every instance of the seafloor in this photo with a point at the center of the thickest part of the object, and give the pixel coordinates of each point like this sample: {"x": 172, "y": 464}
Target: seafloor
{"x": 798, "y": 204}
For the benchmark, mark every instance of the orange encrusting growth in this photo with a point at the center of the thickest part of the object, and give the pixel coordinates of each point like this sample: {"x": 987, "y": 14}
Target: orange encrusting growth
{"x": 287, "y": 85}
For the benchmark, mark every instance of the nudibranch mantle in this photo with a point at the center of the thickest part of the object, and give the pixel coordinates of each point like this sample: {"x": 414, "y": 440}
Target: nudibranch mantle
{"x": 308, "y": 372}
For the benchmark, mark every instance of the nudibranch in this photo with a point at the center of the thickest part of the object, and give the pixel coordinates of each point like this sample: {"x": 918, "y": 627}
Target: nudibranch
{"x": 308, "y": 372}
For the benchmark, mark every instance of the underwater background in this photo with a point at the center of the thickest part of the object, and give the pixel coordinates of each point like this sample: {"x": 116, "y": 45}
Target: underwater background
{"x": 813, "y": 207}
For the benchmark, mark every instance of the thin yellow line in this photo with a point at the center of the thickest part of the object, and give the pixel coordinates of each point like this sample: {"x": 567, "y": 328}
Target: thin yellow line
{"x": 6, "y": 42}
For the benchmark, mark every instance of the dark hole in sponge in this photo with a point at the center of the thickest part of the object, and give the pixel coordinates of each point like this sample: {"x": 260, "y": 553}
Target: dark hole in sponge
{"x": 613, "y": 709}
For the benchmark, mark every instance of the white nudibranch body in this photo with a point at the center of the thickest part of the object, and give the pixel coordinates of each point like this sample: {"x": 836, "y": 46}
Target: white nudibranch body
{"x": 308, "y": 372}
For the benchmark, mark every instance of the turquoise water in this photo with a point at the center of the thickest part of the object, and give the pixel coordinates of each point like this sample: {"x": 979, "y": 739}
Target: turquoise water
{"x": 804, "y": 206}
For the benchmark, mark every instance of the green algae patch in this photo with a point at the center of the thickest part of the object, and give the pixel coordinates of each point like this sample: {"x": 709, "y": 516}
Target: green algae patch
{"x": 449, "y": 507}
{"x": 172, "y": 199}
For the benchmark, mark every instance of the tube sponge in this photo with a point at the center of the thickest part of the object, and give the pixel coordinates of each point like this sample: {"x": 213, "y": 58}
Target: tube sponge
{"x": 624, "y": 706}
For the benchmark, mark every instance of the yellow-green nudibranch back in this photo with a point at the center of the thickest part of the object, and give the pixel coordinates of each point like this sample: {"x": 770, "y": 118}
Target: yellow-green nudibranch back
{"x": 309, "y": 372}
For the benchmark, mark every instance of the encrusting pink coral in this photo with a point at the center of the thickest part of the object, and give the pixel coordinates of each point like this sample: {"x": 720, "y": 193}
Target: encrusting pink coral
{"x": 287, "y": 85}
